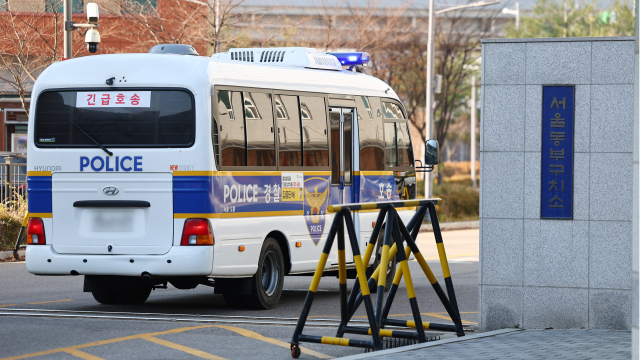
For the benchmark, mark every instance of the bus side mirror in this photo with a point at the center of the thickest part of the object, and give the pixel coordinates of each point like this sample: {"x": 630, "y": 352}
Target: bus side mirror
{"x": 431, "y": 152}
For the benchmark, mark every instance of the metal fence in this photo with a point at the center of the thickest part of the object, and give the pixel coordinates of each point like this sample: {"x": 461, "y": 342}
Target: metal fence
{"x": 13, "y": 176}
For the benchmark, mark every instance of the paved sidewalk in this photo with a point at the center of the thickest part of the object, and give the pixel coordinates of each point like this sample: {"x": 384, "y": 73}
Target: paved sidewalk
{"x": 518, "y": 344}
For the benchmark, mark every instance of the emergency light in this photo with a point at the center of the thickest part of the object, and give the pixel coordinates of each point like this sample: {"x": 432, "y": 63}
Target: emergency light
{"x": 352, "y": 58}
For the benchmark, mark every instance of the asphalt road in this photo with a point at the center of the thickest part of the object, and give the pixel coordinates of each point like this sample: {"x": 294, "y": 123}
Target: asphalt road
{"x": 106, "y": 338}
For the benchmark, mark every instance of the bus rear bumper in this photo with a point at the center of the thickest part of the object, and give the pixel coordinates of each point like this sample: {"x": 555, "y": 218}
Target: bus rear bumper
{"x": 179, "y": 261}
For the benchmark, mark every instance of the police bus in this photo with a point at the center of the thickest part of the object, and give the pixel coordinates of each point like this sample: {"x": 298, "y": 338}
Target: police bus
{"x": 169, "y": 167}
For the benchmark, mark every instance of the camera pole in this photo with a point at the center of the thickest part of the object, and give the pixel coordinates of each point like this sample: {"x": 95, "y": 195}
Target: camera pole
{"x": 68, "y": 28}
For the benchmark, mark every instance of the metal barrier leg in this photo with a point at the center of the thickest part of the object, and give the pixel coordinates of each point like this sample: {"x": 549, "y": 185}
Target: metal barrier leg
{"x": 362, "y": 278}
{"x": 443, "y": 262}
{"x": 392, "y": 291}
{"x": 384, "y": 263}
{"x": 408, "y": 282}
{"x": 453, "y": 313}
{"x": 20, "y": 238}
{"x": 355, "y": 298}
{"x": 315, "y": 281}
{"x": 342, "y": 276}
{"x": 367, "y": 256}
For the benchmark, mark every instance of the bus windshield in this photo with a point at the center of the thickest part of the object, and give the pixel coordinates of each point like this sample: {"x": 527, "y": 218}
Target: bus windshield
{"x": 132, "y": 118}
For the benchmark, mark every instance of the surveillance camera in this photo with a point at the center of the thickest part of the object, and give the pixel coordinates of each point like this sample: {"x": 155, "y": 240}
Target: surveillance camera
{"x": 92, "y": 13}
{"x": 92, "y": 38}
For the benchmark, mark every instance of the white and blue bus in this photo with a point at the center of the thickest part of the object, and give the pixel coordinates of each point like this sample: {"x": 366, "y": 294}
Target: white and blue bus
{"x": 148, "y": 169}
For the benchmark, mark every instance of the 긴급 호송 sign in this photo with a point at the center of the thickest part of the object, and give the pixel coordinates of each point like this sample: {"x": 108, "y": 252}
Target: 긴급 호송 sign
{"x": 556, "y": 191}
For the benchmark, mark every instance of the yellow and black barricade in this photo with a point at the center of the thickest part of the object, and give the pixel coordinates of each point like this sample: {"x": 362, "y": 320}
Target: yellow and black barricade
{"x": 395, "y": 235}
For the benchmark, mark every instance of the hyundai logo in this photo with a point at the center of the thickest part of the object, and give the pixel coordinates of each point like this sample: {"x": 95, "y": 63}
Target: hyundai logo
{"x": 110, "y": 190}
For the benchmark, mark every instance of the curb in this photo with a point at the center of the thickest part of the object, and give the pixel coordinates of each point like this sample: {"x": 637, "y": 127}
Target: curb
{"x": 416, "y": 347}
{"x": 459, "y": 225}
{"x": 8, "y": 254}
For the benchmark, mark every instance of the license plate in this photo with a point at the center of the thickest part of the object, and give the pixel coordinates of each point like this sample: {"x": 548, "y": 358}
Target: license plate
{"x": 112, "y": 221}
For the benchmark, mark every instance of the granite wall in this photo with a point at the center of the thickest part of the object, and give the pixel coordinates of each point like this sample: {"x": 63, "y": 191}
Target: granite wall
{"x": 556, "y": 273}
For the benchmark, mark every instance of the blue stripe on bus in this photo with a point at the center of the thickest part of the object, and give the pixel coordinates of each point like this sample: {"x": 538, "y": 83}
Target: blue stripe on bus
{"x": 39, "y": 190}
{"x": 193, "y": 194}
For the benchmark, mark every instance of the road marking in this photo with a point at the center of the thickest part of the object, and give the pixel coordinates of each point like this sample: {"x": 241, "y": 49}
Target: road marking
{"x": 188, "y": 350}
{"x": 8, "y": 305}
{"x": 48, "y": 302}
{"x": 104, "y": 342}
{"x": 256, "y": 336}
{"x": 82, "y": 354}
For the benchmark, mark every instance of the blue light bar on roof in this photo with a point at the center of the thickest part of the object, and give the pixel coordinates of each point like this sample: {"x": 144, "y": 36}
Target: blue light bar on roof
{"x": 352, "y": 58}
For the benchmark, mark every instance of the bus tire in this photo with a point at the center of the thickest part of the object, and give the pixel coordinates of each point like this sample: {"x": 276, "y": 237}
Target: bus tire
{"x": 268, "y": 281}
{"x": 132, "y": 296}
{"x": 391, "y": 269}
{"x": 104, "y": 297}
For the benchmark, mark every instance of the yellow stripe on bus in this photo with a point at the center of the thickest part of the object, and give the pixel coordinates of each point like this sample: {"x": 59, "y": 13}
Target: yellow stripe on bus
{"x": 41, "y": 215}
{"x": 373, "y": 173}
{"x": 237, "y": 215}
{"x": 38, "y": 173}
{"x": 240, "y": 173}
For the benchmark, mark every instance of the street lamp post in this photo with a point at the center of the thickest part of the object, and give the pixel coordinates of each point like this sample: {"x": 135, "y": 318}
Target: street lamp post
{"x": 430, "y": 56}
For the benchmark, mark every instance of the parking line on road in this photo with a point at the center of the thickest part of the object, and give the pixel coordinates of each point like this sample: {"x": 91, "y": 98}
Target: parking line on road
{"x": 82, "y": 354}
{"x": 48, "y": 302}
{"x": 255, "y": 335}
{"x": 8, "y": 305}
{"x": 188, "y": 350}
{"x": 104, "y": 342}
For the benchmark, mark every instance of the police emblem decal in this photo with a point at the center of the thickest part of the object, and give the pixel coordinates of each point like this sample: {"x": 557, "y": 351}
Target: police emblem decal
{"x": 316, "y": 194}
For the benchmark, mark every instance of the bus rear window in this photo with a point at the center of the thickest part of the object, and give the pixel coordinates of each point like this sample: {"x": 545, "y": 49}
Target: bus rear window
{"x": 131, "y": 118}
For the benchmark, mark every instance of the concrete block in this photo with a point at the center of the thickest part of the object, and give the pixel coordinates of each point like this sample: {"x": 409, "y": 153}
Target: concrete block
{"x": 610, "y": 186}
{"x": 503, "y": 63}
{"x": 502, "y": 245}
{"x": 501, "y": 307}
{"x": 582, "y": 120}
{"x": 559, "y": 63}
{"x": 612, "y": 118}
{"x": 503, "y": 117}
{"x": 502, "y": 185}
{"x": 612, "y": 62}
{"x": 610, "y": 309}
{"x": 533, "y": 118}
{"x": 610, "y": 254}
{"x": 556, "y": 253}
{"x": 581, "y": 186}
{"x": 532, "y": 185}
{"x": 559, "y": 308}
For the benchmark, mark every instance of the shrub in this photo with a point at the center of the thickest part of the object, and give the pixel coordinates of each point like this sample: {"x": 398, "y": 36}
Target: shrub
{"x": 12, "y": 213}
{"x": 460, "y": 201}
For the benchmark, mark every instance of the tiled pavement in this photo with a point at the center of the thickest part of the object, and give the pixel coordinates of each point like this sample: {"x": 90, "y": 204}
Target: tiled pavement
{"x": 518, "y": 344}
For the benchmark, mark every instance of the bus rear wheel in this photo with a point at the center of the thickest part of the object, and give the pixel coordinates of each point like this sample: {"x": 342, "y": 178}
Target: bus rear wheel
{"x": 268, "y": 281}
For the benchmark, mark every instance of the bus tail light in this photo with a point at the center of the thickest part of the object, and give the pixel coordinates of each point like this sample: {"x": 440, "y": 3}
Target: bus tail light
{"x": 35, "y": 232}
{"x": 197, "y": 232}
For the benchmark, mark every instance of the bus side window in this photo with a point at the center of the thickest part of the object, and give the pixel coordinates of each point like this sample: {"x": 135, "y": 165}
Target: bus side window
{"x": 260, "y": 132}
{"x": 397, "y": 149}
{"x": 390, "y": 145}
{"x": 231, "y": 137}
{"x": 315, "y": 144}
{"x": 371, "y": 133}
{"x": 289, "y": 140}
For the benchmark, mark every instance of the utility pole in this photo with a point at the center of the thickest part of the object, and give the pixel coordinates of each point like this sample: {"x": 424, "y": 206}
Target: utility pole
{"x": 474, "y": 111}
{"x": 428, "y": 110}
{"x": 67, "y": 10}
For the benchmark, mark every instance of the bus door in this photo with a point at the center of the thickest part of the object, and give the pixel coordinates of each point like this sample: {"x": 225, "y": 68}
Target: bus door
{"x": 341, "y": 121}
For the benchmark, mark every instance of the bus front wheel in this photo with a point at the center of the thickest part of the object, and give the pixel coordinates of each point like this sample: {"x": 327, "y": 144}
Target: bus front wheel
{"x": 268, "y": 281}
